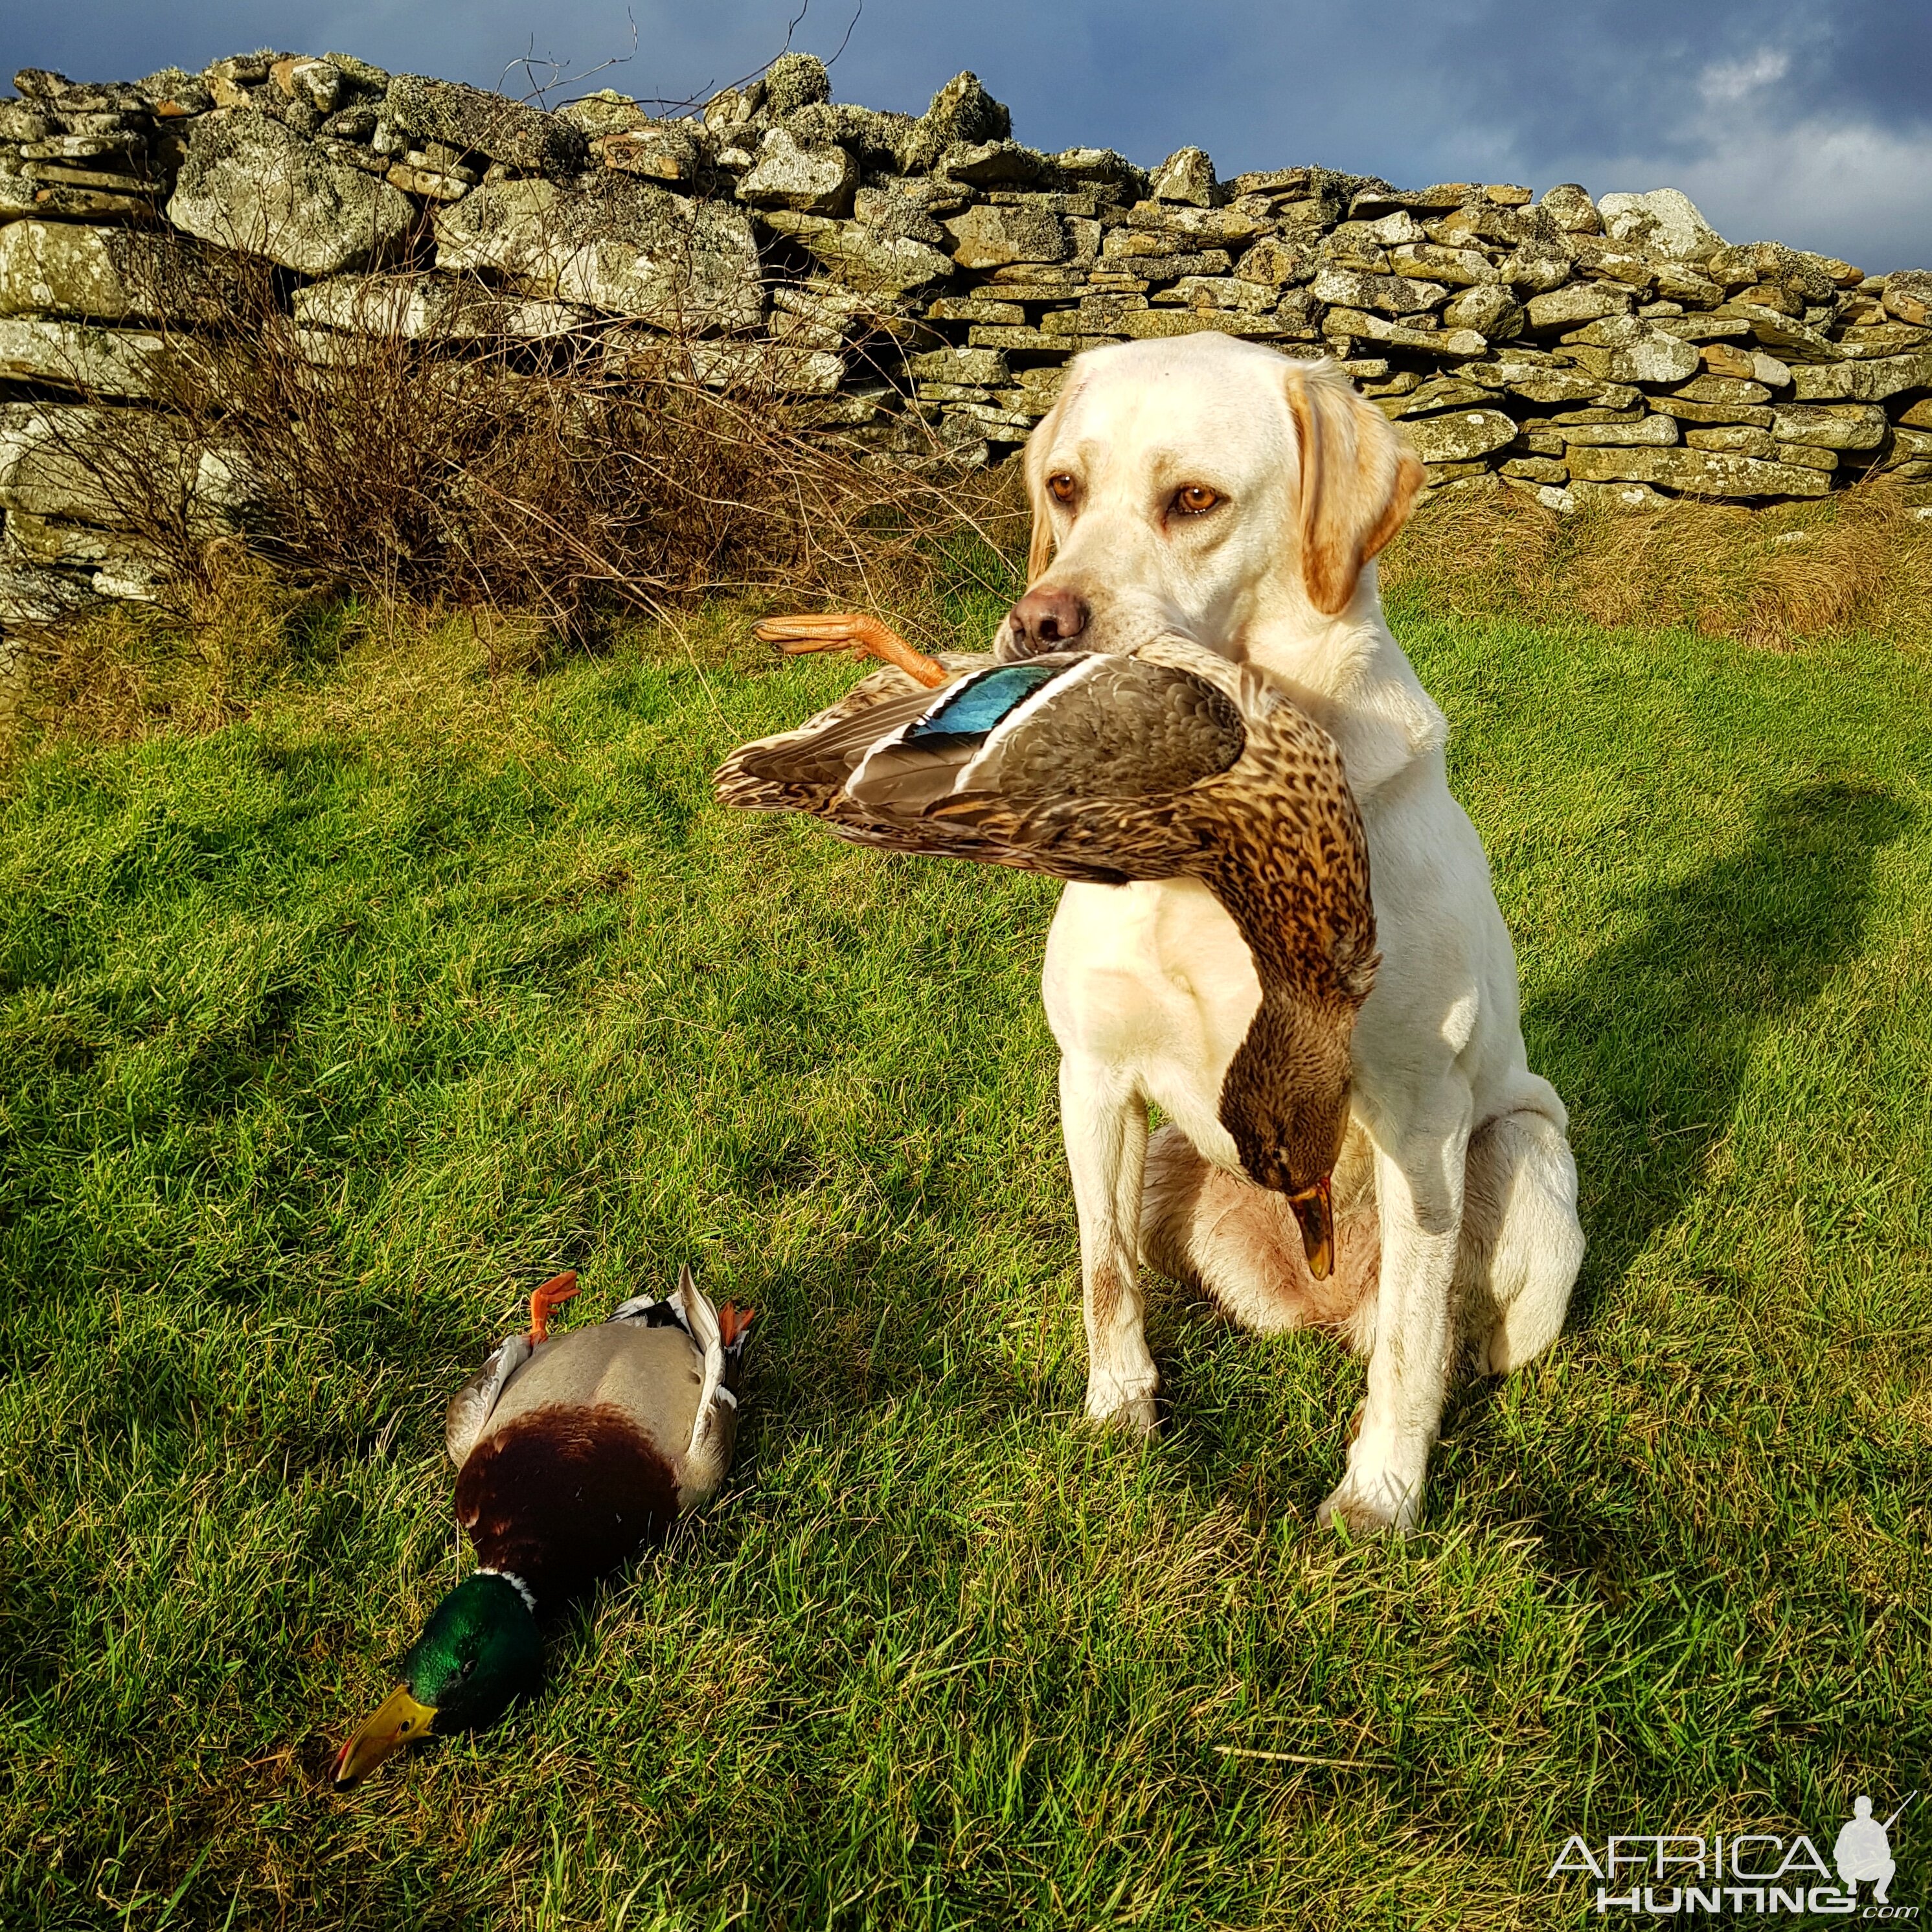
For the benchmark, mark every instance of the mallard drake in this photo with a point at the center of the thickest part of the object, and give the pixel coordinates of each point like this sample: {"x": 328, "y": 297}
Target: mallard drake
{"x": 572, "y": 1453}
{"x": 1164, "y": 762}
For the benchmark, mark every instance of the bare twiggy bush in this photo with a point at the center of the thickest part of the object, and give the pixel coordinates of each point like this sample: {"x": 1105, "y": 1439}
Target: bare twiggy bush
{"x": 1859, "y": 560}
{"x": 580, "y": 474}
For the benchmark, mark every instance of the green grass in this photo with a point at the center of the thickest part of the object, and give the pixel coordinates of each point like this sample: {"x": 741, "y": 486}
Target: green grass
{"x": 323, "y": 1035}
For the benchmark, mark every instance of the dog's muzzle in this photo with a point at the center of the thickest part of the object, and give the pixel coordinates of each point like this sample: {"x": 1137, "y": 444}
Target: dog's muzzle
{"x": 1046, "y": 618}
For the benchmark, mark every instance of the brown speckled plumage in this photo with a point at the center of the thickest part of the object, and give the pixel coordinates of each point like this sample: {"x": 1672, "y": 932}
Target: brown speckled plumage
{"x": 1161, "y": 763}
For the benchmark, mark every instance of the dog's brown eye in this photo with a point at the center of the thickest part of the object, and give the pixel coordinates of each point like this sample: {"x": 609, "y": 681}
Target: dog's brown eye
{"x": 1196, "y": 500}
{"x": 1063, "y": 487}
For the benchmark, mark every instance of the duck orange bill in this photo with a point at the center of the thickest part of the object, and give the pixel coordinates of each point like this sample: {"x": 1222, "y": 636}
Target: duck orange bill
{"x": 1315, "y": 1213}
{"x": 401, "y": 1720}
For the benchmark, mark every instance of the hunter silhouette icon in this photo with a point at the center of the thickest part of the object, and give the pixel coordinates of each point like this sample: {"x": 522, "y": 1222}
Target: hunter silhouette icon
{"x": 1863, "y": 1848}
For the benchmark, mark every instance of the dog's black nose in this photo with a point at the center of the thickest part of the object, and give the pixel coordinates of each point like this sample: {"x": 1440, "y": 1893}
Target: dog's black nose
{"x": 1045, "y": 618}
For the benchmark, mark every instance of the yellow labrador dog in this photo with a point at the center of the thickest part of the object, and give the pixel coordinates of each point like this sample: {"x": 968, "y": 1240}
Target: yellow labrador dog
{"x": 1215, "y": 487}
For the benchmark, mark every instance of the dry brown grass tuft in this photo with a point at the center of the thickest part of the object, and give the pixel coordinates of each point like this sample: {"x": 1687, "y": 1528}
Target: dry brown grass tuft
{"x": 134, "y": 671}
{"x": 1773, "y": 578}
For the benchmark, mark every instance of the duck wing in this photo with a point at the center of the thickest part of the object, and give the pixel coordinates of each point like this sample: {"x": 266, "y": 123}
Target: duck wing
{"x": 714, "y": 1429}
{"x": 471, "y": 1407}
{"x": 806, "y": 770}
{"x": 719, "y": 1346}
{"x": 1060, "y": 728}
{"x": 1028, "y": 764}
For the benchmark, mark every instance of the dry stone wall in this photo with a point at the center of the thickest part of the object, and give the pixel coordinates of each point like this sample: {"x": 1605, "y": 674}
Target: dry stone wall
{"x": 916, "y": 284}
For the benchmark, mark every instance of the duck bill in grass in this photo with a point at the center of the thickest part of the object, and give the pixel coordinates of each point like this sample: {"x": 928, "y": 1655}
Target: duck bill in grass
{"x": 1315, "y": 1215}
{"x": 400, "y": 1721}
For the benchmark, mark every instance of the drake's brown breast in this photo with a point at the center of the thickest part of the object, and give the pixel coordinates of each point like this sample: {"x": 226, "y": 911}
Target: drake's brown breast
{"x": 562, "y": 1495}
{"x": 576, "y": 1469}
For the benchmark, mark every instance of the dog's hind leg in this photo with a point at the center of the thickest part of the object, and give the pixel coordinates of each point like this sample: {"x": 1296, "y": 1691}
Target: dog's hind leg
{"x": 1103, "y": 1119}
{"x": 1239, "y": 1245}
{"x": 1522, "y": 1242}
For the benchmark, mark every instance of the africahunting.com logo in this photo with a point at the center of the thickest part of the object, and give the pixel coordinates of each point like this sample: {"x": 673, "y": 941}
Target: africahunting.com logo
{"x": 1751, "y": 1873}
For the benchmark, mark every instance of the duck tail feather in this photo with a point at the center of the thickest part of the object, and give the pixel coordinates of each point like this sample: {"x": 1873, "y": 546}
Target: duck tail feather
{"x": 700, "y": 1317}
{"x": 684, "y": 1307}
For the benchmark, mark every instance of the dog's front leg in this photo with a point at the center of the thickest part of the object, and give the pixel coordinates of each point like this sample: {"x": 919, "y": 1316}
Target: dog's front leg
{"x": 1419, "y": 1188}
{"x": 1103, "y": 1118}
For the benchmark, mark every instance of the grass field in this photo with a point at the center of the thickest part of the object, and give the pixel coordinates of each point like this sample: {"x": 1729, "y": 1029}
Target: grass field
{"x": 324, "y": 1034}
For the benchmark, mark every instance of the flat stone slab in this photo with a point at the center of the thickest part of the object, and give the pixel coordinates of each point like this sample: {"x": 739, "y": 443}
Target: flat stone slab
{"x": 434, "y": 307}
{"x": 473, "y": 120}
{"x": 619, "y": 244}
{"x": 251, "y": 183}
{"x": 1862, "y": 382}
{"x": 62, "y": 268}
{"x": 118, "y": 362}
{"x": 1698, "y": 472}
{"x": 33, "y": 596}
{"x": 1459, "y": 436}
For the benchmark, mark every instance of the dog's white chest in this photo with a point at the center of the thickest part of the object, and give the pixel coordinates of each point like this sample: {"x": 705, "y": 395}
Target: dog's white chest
{"x": 1154, "y": 982}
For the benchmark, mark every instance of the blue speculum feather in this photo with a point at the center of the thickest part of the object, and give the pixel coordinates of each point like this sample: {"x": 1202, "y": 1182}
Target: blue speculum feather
{"x": 984, "y": 701}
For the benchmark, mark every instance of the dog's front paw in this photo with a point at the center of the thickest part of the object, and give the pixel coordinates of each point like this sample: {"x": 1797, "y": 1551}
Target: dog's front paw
{"x": 1372, "y": 1508}
{"x": 1111, "y": 1405}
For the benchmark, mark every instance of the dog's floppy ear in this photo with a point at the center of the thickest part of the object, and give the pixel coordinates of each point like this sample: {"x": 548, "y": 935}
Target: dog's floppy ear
{"x": 1358, "y": 480}
{"x": 1040, "y": 544}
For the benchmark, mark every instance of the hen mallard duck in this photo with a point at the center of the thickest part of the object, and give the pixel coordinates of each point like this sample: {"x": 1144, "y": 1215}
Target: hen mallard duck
{"x": 572, "y": 1452}
{"x": 1164, "y": 762}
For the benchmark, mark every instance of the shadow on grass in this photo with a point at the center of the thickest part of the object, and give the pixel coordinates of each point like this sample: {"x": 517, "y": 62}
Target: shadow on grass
{"x": 1649, "y": 1045}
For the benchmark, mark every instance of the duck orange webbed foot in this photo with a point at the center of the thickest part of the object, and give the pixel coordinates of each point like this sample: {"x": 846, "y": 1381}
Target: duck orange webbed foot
{"x": 852, "y": 630}
{"x": 546, "y": 1299}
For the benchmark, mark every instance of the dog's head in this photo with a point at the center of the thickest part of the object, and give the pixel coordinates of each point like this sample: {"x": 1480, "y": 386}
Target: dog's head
{"x": 1205, "y": 485}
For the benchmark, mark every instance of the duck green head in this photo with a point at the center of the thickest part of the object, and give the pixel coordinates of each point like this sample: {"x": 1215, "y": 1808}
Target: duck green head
{"x": 479, "y": 1652}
